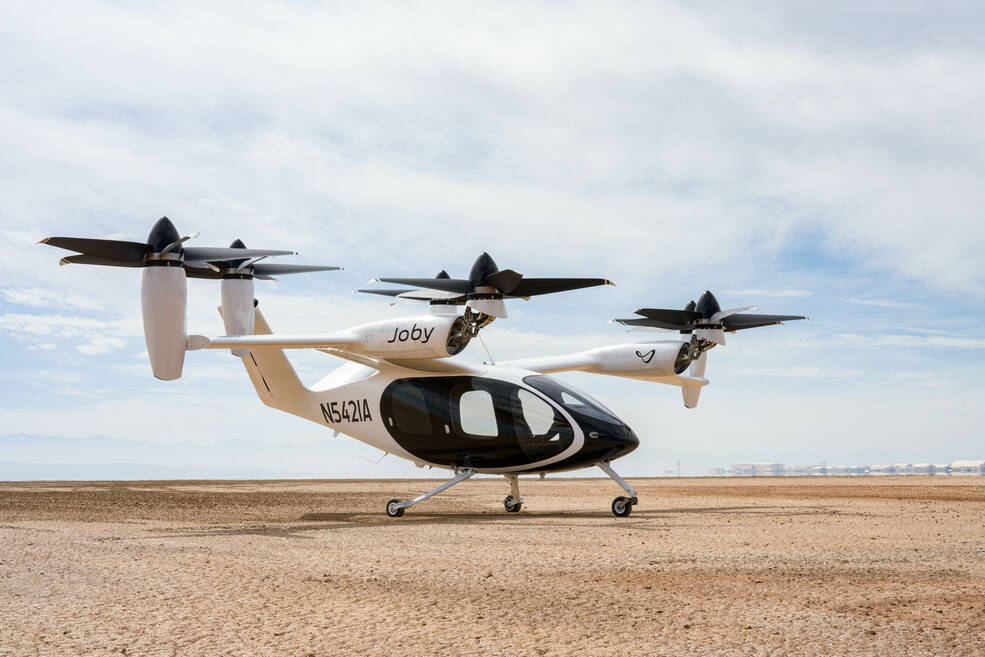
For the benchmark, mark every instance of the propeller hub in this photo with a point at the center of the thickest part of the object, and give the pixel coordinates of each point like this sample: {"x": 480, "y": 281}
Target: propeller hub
{"x": 161, "y": 235}
{"x": 707, "y": 305}
{"x": 482, "y": 268}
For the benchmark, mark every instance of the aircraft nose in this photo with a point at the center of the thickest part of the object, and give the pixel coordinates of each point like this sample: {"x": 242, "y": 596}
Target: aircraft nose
{"x": 615, "y": 440}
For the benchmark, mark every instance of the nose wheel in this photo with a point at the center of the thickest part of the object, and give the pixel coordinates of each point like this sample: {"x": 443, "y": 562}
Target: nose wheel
{"x": 511, "y": 505}
{"x": 622, "y": 506}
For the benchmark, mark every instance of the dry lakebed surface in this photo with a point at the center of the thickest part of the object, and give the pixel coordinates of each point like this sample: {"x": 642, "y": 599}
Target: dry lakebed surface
{"x": 727, "y": 566}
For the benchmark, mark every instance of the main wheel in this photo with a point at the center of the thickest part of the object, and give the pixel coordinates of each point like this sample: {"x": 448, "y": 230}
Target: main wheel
{"x": 510, "y": 505}
{"x": 622, "y": 507}
{"x": 393, "y": 510}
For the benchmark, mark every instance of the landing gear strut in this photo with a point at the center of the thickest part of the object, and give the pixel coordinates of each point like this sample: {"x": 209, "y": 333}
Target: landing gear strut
{"x": 395, "y": 508}
{"x": 621, "y": 506}
{"x": 513, "y": 501}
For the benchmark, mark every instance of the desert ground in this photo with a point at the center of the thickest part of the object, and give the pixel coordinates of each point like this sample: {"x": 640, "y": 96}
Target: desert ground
{"x": 825, "y": 566}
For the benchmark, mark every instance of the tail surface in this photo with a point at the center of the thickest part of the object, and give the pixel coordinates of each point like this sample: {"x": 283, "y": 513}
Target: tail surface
{"x": 273, "y": 376}
{"x": 697, "y": 370}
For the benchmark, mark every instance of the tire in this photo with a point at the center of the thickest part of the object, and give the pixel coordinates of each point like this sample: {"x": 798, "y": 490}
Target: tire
{"x": 510, "y": 505}
{"x": 394, "y": 511}
{"x": 622, "y": 507}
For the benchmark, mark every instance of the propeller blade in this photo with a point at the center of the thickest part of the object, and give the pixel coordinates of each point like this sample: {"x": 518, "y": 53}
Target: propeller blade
{"x": 504, "y": 280}
{"x": 117, "y": 250}
{"x": 655, "y": 323}
{"x": 722, "y": 314}
{"x": 670, "y": 316}
{"x": 445, "y": 284}
{"x": 92, "y": 260}
{"x": 531, "y": 287}
{"x": 420, "y": 295}
{"x": 202, "y": 272}
{"x": 383, "y": 293}
{"x": 274, "y": 269}
{"x": 219, "y": 253}
{"x": 739, "y": 321}
{"x": 433, "y": 295}
{"x": 173, "y": 245}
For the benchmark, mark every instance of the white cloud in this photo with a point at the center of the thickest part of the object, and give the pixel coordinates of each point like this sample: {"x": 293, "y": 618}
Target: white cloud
{"x": 800, "y": 371}
{"x": 45, "y": 298}
{"x": 882, "y": 303}
{"x": 896, "y": 340}
{"x": 91, "y": 336}
{"x": 100, "y": 345}
{"x": 769, "y": 293}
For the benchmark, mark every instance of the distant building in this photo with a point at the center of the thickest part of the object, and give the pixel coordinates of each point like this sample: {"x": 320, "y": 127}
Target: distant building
{"x": 968, "y": 468}
{"x": 757, "y": 469}
{"x": 822, "y": 469}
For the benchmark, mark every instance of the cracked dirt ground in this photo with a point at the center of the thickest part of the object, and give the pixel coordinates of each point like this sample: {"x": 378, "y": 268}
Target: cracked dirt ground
{"x": 832, "y": 566}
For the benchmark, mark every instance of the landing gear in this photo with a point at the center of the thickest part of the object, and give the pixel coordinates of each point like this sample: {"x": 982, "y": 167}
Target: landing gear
{"x": 395, "y": 508}
{"x": 621, "y": 506}
{"x": 513, "y": 502}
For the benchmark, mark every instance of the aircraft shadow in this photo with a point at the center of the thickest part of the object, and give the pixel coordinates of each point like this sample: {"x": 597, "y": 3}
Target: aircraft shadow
{"x": 641, "y": 519}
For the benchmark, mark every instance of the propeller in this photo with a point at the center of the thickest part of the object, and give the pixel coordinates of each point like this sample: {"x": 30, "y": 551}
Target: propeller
{"x": 233, "y": 264}
{"x": 410, "y": 294}
{"x": 707, "y": 316}
{"x": 165, "y": 246}
{"x": 484, "y": 289}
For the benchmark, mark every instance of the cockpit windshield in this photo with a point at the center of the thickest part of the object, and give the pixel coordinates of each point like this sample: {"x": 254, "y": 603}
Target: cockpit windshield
{"x": 571, "y": 398}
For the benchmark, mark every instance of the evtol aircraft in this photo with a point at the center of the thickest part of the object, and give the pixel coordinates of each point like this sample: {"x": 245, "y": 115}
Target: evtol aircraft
{"x": 400, "y": 391}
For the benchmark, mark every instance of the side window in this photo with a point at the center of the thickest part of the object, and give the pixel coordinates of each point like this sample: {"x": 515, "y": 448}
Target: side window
{"x": 537, "y": 413}
{"x": 477, "y": 414}
{"x": 410, "y": 411}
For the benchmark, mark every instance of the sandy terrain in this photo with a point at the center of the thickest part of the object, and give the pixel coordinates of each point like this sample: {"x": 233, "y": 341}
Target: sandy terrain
{"x": 876, "y": 566}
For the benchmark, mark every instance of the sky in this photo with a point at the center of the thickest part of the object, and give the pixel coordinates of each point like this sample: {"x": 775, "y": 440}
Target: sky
{"x": 816, "y": 158}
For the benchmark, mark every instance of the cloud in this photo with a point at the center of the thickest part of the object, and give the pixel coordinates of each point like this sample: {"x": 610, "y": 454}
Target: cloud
{"x": 45, "y": 298}
{"x": 769, "y": 293}
{"x": 758, "y": 141}
{"x": 897, "y": 340}
{"x": 804, "y": 372}
{"x": 101, "y": 345}
{"x": 882, "y": 303}
{"x": 97, "y": 336}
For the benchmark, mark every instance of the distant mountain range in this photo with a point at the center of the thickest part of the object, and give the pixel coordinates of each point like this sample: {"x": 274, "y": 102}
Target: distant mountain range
{"x": 25, "y": 457}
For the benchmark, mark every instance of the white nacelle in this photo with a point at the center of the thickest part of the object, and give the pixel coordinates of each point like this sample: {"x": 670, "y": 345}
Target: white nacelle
{"x": 414, "y": 337}
{"x": 163, "y": 296}
{"x": 237, "y": 309}
{"x": 650, "y": 361}
{"x": 641, "y": 361}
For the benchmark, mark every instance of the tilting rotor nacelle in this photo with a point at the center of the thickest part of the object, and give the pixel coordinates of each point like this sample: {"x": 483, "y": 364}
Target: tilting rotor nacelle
{"x": 167, "y": 265}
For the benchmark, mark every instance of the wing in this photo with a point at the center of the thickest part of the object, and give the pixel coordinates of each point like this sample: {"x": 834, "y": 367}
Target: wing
{"x": 277, "y": 341}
